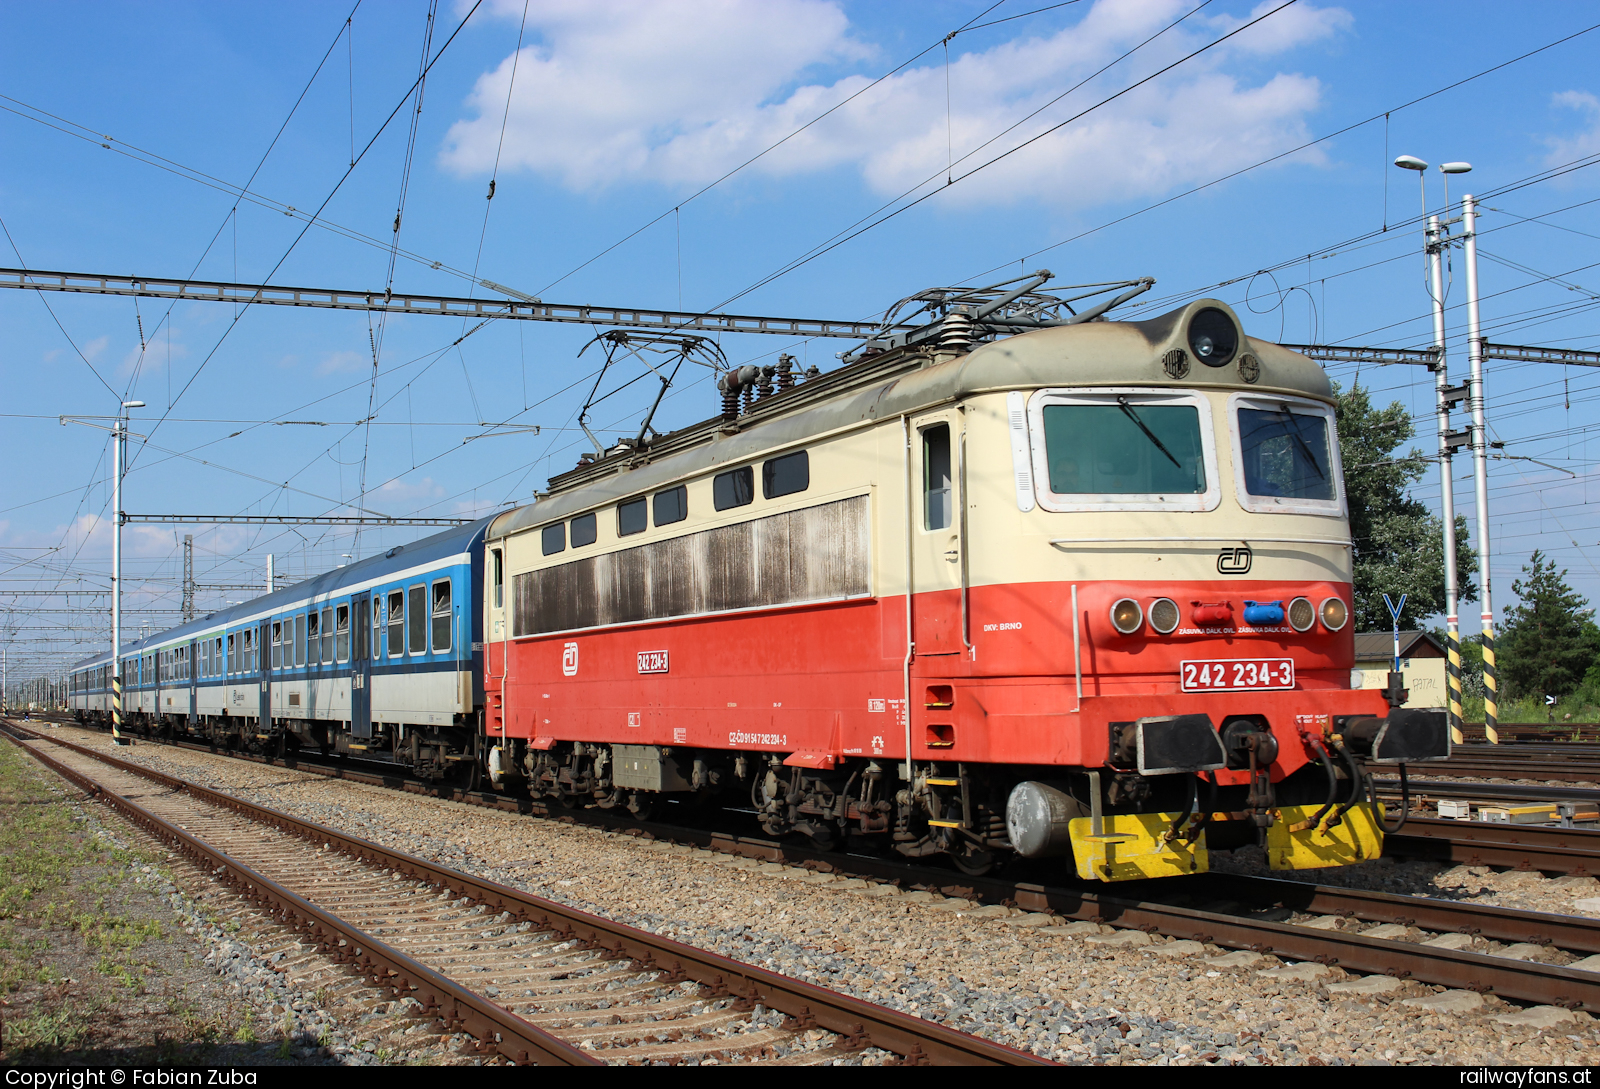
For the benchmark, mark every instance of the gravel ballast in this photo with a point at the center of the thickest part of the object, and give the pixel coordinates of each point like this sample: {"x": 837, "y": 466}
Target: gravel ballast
{"x": 1075, "y": 993}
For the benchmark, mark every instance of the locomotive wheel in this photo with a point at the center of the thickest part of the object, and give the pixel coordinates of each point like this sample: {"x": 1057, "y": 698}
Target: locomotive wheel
{"x": 972, "y": 861}
{"x": 640, "y": 805}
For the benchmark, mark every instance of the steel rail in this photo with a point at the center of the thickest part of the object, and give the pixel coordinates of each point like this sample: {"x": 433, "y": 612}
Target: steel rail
{"x": 1508, "y": 791}
{"x": 496, "y": 1028}
{"x": 1528, "y": 981}
{"x": 861, "y": 1023}
{"x": 1478, "y": 843}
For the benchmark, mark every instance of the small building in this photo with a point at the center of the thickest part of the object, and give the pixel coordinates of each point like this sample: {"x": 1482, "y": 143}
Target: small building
{"x": 1422, "y": 662}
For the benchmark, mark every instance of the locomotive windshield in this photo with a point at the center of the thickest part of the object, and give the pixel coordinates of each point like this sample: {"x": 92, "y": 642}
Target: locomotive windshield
{"x": 1285, "y": 454}
{"x": 1124, "y": 449}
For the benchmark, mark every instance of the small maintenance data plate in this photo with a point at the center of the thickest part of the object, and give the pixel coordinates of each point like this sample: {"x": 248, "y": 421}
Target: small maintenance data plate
{"x": 1234, "y": 676}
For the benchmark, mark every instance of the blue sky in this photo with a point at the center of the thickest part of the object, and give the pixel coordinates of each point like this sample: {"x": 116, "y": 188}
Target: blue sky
{"x": 620, "y": 115}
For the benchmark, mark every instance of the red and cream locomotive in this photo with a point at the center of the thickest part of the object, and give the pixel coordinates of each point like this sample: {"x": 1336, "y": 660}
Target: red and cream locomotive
{"x": 1013, "y": 580}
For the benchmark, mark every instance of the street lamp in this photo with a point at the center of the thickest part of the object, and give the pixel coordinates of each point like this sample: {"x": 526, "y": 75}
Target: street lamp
{"x": 121, "y": 435}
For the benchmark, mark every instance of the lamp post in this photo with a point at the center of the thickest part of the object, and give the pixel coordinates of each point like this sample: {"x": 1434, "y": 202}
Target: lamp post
{"x": 1436, "y": 235}
{"x": 121, "y": 436}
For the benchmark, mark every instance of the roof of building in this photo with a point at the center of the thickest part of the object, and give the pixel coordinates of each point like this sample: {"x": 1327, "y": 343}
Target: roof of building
{"x": 1373, "y": 646}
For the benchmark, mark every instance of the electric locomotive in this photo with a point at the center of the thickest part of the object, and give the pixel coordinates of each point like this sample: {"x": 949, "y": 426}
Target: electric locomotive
{"x": 1006, "y": 582}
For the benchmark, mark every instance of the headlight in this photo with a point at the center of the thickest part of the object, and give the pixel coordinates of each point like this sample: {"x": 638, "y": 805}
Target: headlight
{"x": 1334, "y": 614}
{"x": 1212, "y": 337}
{"x": 1164, "y": 615}
{"x": 1126, "y": 616}
{"x": 1301, "y": 614}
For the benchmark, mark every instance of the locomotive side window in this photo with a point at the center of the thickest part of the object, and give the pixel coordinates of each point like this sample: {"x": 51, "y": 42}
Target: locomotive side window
{"x": 499, "y": 561}
{"x": 417, "y": 630}
{"x": 585, "y": 530}
{"x": 936, "y": 491}
{"x": 442, "y": 616}
{"x": 735, "y": 488}
{"x": 341, "y": 633}
{"x": 786, "y": 475}
{"x": 632, "y": 517}
{"x": 1285, "y": 456}
{"x": 397, "y": 630}
{"x": 671, "y": 506}
{"x": 554, "y": 538}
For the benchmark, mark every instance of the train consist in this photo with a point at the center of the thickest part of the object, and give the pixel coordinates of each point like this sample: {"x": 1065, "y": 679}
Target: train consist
{"x": 1015, "y": 581}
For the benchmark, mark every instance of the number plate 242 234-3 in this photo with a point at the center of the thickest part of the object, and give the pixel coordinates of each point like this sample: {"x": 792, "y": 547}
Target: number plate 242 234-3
{"x": 1233, "y": 676}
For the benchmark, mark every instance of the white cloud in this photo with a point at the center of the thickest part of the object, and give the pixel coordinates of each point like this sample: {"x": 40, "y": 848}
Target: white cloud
{"x": 410, "y": 491}
{"x": 342, "y": 362}
{"x": 1566, "y": 149}
{"x": 680, "y": 93}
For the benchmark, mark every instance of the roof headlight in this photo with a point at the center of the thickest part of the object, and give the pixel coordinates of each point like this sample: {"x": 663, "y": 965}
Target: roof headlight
{"x": 1164, "y": 615}
{"x": 1301, "y": 614}
{"x": 1334, "y": 613}
{"x": 1127, "y": 616}
{"x": 1212, "y": 337}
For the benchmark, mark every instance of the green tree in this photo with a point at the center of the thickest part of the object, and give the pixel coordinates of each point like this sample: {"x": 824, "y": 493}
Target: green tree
{"x": 1399, "y": 545}
{"x": 1547, "y": 643}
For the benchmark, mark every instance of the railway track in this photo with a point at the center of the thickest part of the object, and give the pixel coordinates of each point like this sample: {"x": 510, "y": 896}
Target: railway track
{"x": 528, "y": 979}
{"x": 1526, "y": 956}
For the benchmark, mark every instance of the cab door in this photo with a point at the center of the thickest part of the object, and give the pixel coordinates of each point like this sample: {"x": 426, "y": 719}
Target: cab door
{"x": 360, "y": 667}
{"x": 937, "y": 538}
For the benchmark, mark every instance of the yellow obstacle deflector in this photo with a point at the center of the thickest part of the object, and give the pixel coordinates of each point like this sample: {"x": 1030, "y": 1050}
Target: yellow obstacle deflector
{"x": 1131, "y": 846}
{"x": 1294, "y": 843}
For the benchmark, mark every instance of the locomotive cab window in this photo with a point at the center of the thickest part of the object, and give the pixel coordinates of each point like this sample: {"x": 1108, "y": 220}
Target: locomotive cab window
{"x": 1124, "y": 449}
{"x": 671, "y": 506}
{"x": 442, "y": 616}
{"x": 937, "y": 506}
{"x": 585, "y": 530}
{"x": 498, "y": 562}
{"x": 735, "y": 488}
{"x": 632, "y": 517}
{"x": 1285, "y": 456}
{"x": 786, "y": 475}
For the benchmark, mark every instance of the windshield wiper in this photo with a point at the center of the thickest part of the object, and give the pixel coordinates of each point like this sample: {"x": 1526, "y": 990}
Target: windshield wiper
{"x": 1122, "y": 403}
{"x": 1304, "y": 446}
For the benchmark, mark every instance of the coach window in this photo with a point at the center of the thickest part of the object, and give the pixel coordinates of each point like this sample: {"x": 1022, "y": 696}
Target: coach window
{"x": 417, "y": 629}
{"x": 205, "y": 658}
{"x": 632, "y": 517}
{"x": 585, "y": 530}
{"x": 377, "y": 627}
{"x": 299, "y": 640}
{"x": 936, "y": 495}
{"x": 219, "y": 664}
{"x": 499, "y": 562}
{"x": 735, "y": 488}
{"x": 397, "y": 623}
{"x": 442, "y": 616}
{"x": 327, "y": 636}
{"x": 313, "y": 638}
{"x": 341, "y": 628}
{"x": 786, "y": 475}
{"x": 554, "y": 538}
{"x": 277, "y": 644}
{"x": 231, "y": 662}
{"x": 249, "y": 664}
{"x": 671, "y": 506}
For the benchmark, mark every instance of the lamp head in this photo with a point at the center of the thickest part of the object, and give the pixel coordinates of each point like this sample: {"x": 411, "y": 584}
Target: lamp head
{"x": 133, "y": 404}
{"x": 1455, "y": 168}
{"x": 1410, "y": 162}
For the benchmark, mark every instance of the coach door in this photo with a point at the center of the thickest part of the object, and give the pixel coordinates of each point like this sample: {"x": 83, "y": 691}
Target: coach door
{"x": 264, "y": 666}
{"x": 937, "y": 536}
{"x": 360, "y": 667}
